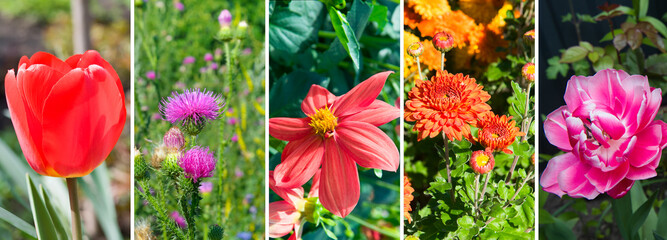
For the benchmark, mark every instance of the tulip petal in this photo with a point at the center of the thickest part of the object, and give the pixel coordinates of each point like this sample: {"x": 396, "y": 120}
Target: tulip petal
{"x": 28, "y": 129}
{"x": 377, "y": 114}
{"x": 291, "y": 195}
{"x": 36, "y": 82}
{"x": 555, "y": 129}
{"x": 84, "y": 116}
{"x": 572, "y": 181}
{"x": 605, "y": 181}
{"x": 282, "y": 217}
{"x": 318, "y": 97}
{"x": 92, "y": 57}
{"x": 609, "y": 123}
{"x": 300, "y": 160}
{"x": 339, "y": 184}
{"x": 368, "y": 145}
{"x": 647, "y": 147}
{"x": 607, "y": 86}
{"x": 549, "y": 178}
{"x": 621, "y": 188}
{"x": 289, "y": 129}
{"x": 49, "y": 60}
{"x": 360, "y": 96}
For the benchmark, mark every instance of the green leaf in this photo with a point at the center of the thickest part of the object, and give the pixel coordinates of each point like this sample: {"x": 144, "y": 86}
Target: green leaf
{"x": 593, "y": 56}
{"x": 558, "y": 230}
{"x": 378, "y": 172}
{"x": 586, "y": 18}
{"x": 329, "y": 233}
{"x": 604, "y": 63}
{"x": 657, "y": 24}
{"x": 609, "y": 36}
{"x": 18, "y": 223}
{"x": 581, "y": 68}
{"x": 57, "y": 224}
{"x": 295, "y": 86}
{"x": 346, "y": 35}
{"x": 288, "y": 29}
{"x": 566, "y": 17}
{"x": 622, "y": 212}
{"x": 440, "y": 185}
{"x": 466, "y": 221}
{"x": 503, "y": 191}
{"x": 638, "y": 217}
{"x": 657, "y": 64}
{"x": 556, "y": 67}
{"x": 662, "y": 220}
{"x": 643, "y": 8}
{"x": 586, "y": 45}
{"x": 379, "y": 15}
{"x": 573, "y": 54}
{"x": 40, "y": 214}
{"x": 96, "y": 187}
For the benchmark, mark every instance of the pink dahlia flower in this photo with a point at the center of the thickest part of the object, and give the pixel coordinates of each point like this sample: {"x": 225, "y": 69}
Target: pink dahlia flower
{"x": 337, "y": 133}
{"x": 287, "y": 215}
{"x": 609, "y": 134}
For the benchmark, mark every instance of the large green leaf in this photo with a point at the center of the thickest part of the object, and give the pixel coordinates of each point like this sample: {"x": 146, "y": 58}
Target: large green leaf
{"x": 55, "y": 219}
{"x": 662, "y": 220}
{"x": 18, "y": 223}
{"x": 40, "y": 214}
{"x": 291, "y": 27}
{"x": 346, "y": 36}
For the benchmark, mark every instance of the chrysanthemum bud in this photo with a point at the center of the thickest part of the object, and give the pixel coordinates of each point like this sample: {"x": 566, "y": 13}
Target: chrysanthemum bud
{"x": 443, "y": 41}
{"x": 416, "y": 49}
{"x": 482, "y": 161}
{"x": 529, "y": 36}
{"x": 528, "y": 72}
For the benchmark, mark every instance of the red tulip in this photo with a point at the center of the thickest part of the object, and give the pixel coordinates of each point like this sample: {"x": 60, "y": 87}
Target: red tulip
{"x": 67, "y": 115}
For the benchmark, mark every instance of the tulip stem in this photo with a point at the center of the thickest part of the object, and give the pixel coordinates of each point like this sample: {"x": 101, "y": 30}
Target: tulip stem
{"x": 419, "y": 68}
{"x": 74, "y": 208}
{"x": 449, "y": 171}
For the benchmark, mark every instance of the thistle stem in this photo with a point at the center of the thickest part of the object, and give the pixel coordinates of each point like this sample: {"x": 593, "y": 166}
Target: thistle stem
{"x": 74, "y": 208}
{"x": 419, "y": 68}
{"x": 449, "y": 171}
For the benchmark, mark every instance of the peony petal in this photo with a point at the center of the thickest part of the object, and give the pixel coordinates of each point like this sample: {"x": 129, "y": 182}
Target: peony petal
{"x": 339, "y": 186}
{"x": 84, "y": 116}
{"x": 28, "y": 129}
{"x": 289, "y": 129}
{"x": 572, "y": 180}
{"x": 368, "y": 145}
{"x": 36, "y": 82}
{"x": 300, "y": 160}
{"x": 291, "y": 195}
{"x": 549, "y": 178}
{"x": 609, "y": 123}
{"x": 555, "y": 129}
{"x": 605, "y": 181}
{"x": 360, "y": 96}
{"x": 377, "y": 114}
{"x": 621, "y": 189}
{"x": 282, "y": 217}
{"x": 318, "y": 97}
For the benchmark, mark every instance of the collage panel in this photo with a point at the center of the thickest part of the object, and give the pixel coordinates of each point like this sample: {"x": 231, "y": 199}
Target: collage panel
{"x": 199, "y": 119}
{"x": 334, "y": 90}
{"x": 603, "y": 81}
{"x": 65, "y": 170}
{"x": 469, "y": 119}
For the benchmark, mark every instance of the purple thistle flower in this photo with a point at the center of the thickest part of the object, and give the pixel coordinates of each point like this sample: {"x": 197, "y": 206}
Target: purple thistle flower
{"x": 202, "y": 70}
{"x": 198, "y": 162}
{"x": 246, "y": 51}
{"x": 191, "y": 107}
{"x": 225, "y": 18}
{"x": 213, "y": 66}
{"x": 238, "y": 173}
{"x": 206, "y": 187}
{"x": 151, "y": 75}
{"x": 179, "y": 6}
{"x": 208, "y": 57}
{"x": 174, "y": 139}
{"x": 180, "y": 220}
{"x": 232, "y": 121}
{"x": 235, "y": 138}
{"x": 188, "y": 60}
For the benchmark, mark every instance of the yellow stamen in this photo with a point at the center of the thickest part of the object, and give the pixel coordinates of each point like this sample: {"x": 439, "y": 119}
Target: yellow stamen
{"x": 493, "y": 135}
{"x": 482, "y": 160}
{"x": 530, "y": 70}
{"x": 323, "y": 122}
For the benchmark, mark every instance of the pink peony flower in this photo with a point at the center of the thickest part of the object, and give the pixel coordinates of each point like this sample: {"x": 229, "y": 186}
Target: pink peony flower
{"x": 337, "y": 133}
{"x": 286, "y": 215}
{"x": 609, "y": 134}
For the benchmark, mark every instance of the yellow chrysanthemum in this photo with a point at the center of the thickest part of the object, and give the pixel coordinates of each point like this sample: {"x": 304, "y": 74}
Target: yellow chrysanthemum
{"x": 483, "y": 11}
{"x": 429, "y": 9}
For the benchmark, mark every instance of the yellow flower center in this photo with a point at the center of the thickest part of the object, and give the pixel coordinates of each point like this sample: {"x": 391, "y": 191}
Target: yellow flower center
{"x": 414, "y": 47}
{"x": 323, "y": 122}
{"x": 482, "y": 160}
{"x": 530, "y": 69}
{"x": 493, "y": 135}
{"x": 443, "y": 37}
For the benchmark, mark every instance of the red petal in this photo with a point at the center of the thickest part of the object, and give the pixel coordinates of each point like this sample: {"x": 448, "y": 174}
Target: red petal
{"x": 300, "y": 161}
{"x": 49, "y": 60}
{"x": 368, "y": 145}
{"x": 290, "y": 195}
{"x": 318, "y": 97}
{"x": 360, "y": 96}
{"x": 377, "y": 114}
{"x": 92, "y": 57}
{"x": 315, "y": 186}
{"x": 339, "y": 186}
{"x": 289, "y": 129}
{"x": 84, "y": 116}
{"x": 282, "y": 216}
{"x": 36, "y": 83}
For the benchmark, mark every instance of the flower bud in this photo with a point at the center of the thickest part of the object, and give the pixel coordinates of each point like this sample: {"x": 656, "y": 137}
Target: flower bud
{"x": 170, "y": 165}
{"x": 173, "y": 139}
{"x": 416, "y": 49}
{"x": 443, "y": 41}
{"x": 529, "y": 36}
{"x": 241, "y": 30}
{"x": 225, "y": 34}
{"x": 215, "y": 232}
{"x": 140, "y": 166}
{"x": 225, "y": 18}
{"x": 528, "y": 72}
{"x": 159, "y": 154}
{"x": 482, "y": 161}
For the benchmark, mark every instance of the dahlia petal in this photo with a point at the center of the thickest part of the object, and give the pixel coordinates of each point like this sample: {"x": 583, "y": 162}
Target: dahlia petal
{"x": 604, "y": 181}
{"x": 315, "y": 186}
{"x": 361, "y": 95}
{"x": 291, "y": 195}
{"x": 555, "y": 129}
{"x": 368, "y": 145}
{"x": 317, "y": 97}
{"x": 549, "y": 178}
{"x": 609, "y": 123}
{"x": 87, "y": 101}
{"x": 621, "y": 188}
{"x": 282, "y": 217}
{"x": 27, "y": 128}
{"x": 300, "y": 160}
{"x": 339, "y": 186}
{"x": 289, "y": 129}
{"x": 377, "y": 114}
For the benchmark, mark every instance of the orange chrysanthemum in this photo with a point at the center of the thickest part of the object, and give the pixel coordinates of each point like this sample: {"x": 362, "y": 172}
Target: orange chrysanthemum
{"x": 486, "y": 45}
{"x": 482, "y": 11}
{"x": 407, "y": 198}
{"x": 456, "y": 23}
{"x": 447, "y": 103}
{"x": 482, "y": 162}
{"x": 429, "y": 9}
{"x": 497, "y": 132}
{"x": 411, "y": 19}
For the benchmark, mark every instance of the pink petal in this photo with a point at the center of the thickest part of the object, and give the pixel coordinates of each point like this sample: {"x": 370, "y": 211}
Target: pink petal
{"x": 621, "y": 189}
{"x": 605, "y": 86}
{"x": 291, "y": 195}
{"x": 318, "y": 97}
{"x": 605, "y": 181}
{"x": 282, "y": 216}
{"x": 360, "y": 96}
{"x": 555, "y": 129}
{"x": 576, "y": 93}
{"x": 289, "y": 129}
{"x": 549, "y": 178}
{"x": 647, "y": 147}
{"x": 377, "y": 114}
{"x": 641, "y": 173}
{"x": 315, "y": 186}
{"x": 609, "y": 123}
{"x": 300, "y": 161}
{"x": 573, "y": 181}
{"x": 368, "y": 145}
{"x": 339, "y": 186}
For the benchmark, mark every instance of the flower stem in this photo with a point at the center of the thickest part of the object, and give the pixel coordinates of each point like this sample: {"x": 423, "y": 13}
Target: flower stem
{"x": 419, "y": 68}
{"x": 442, "y": 61}
{"x": 373, "y": 227}
{"x": 449, "y": 171}
{"x": 475, "y": 208}
{"x": 74, "y": 208}
{"x": 228, "y": 62}
{"x": 525, "y": 124}
{"x": 486, "y": 182}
